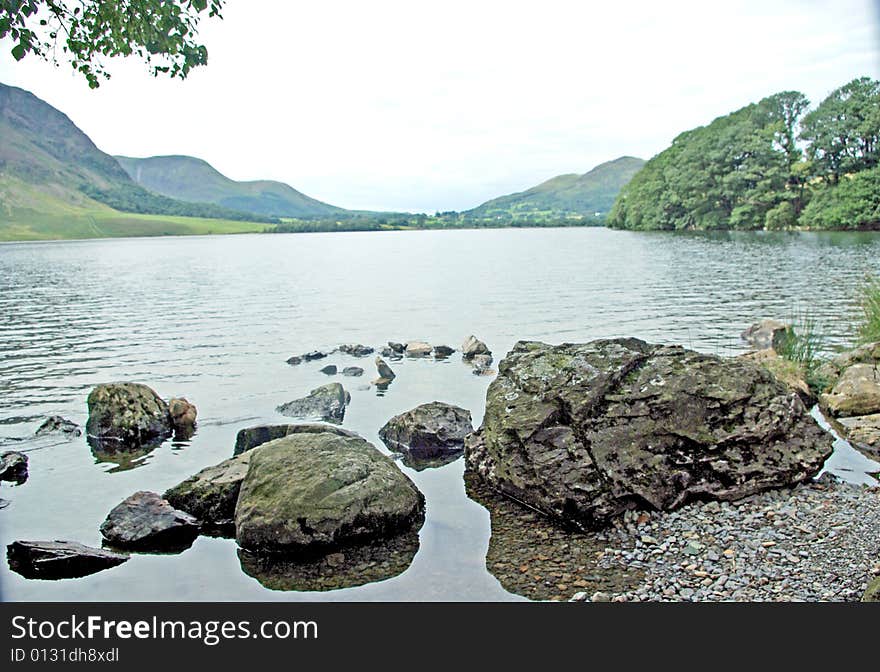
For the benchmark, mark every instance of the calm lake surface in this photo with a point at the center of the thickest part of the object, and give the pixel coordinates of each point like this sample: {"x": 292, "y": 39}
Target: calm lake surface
{"x": 214, "y": 319}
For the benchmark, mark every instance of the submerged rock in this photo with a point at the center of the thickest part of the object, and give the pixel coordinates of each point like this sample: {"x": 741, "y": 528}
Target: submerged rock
{"x": 472, "y": 347}
{"x": 327, "y": 402}
{"x": 352, "y": 371}
{"x": 14, "y": 467}
{"x": 127, "y": 415}
{"x": 766, "y": 334}
{"x": 146, "y": 522}
{"x": 251, "y": 437}
{"x": 312, "y": 493}
{"x": 59, "y": 559}
{"x": 55, "y": 424}
{"x": 183, "y": 417}
{"x": 294, "y": 361}
{"x": 585, "y": 432}
{"x": 428, "y": 431}
{"x": 211, "y": 494}
{"x": 356, "y": 350}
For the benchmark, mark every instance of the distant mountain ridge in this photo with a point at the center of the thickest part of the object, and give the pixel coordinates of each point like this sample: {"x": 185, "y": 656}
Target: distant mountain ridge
{"x": 590, "y": 194}
{"x": 50, "y": 169}
{"x": 192, "y": 179}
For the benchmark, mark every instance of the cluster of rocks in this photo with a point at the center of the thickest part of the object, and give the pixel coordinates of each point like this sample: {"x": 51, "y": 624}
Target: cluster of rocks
{"x": 852, "y": 397}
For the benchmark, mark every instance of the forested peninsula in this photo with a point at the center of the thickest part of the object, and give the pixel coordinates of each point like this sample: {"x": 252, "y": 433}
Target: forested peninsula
{"x": 773, "y": 165}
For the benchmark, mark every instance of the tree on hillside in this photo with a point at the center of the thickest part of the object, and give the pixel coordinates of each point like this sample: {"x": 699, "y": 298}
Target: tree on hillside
{"x": 161, "y": 32}
{"x": 843, "y": 132}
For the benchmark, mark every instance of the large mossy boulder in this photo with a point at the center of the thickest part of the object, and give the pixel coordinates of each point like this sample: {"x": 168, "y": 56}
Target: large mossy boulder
{"x": 428, "y": 431}
{"x": 251, "y": 437}
{"x": 584, "y": 432}
{"x": 311, "y": 493}
{"x": 124, "y": 415}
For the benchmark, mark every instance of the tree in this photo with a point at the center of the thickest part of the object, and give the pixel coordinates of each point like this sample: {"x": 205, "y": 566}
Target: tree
{"x": 844, "y": 131}
{"x": 161, "y": 32}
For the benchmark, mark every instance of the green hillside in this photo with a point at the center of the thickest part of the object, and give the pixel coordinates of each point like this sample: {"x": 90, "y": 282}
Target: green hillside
{"x": 55, "y": 183}
{"x": 583, "y": 196}
{"x": 191, "y": 179}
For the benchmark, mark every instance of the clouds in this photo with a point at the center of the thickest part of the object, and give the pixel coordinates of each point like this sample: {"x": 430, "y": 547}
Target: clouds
{"x": 411, "y": 106}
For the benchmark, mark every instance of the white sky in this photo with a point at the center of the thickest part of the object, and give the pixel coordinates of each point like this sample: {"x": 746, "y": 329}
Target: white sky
{"x": 406, "y": 105}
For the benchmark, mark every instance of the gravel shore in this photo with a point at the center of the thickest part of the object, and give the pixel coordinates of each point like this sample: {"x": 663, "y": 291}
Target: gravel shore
{"x": 814, "y": 542}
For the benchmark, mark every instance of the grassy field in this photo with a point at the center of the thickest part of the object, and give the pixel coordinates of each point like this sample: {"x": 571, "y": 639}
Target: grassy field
{"x": 112, "y": 224}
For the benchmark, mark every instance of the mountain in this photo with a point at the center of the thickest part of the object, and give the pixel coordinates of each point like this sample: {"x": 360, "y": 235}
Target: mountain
{"x": 572, "y": 195}
{"x": 55, "y": 183}
{"x": 192, "y": 179}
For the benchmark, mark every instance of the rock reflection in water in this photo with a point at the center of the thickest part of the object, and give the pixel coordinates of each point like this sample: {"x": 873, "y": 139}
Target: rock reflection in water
{"x": 420, "y": 464}
{"x": 345, "y": 568}
{"x": 125, "y": 458}
{"x": 537, "y": 558}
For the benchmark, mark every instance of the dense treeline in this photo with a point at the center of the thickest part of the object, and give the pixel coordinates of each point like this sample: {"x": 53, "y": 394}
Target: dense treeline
{"x": 133, "y": 198}
{"x": 771, "y": 165}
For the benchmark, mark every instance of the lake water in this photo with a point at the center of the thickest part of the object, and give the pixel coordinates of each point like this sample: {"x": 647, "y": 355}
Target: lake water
{"x": 214, "y": 319}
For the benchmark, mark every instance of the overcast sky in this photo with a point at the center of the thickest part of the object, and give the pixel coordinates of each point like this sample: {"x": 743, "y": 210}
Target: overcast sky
{"x": 434, "y": 106}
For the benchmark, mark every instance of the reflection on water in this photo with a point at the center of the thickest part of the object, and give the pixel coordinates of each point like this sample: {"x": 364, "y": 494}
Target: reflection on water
{"x": 346, "y": 568}
{"x": 214, "y": 319}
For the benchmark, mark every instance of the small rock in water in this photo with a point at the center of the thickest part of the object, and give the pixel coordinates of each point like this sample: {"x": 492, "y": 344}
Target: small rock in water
{"x": 357, "y": 350}
{"x": 59, "y": 559}
{"x": 442, "y": 351}
{"x": 327, "y": 402}
{"x": 352, "y": 371}
{"x": 293, "y": 361}
{"x": 417, "y": 349}
{"x": 144, "y": 521}
{"x": 56, "y": 424}
{"x": 399, "y": 348}
{"x": 14, "y": 467}
{"x": 385, "y": 372}
{"x": 472, "y": 347}
{"x": 313, "y": 355}
{"x": 329, "y": 370}
{"x": 183, "y": 417}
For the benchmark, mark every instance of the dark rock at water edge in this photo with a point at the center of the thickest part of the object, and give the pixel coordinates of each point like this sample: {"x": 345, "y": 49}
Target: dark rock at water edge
{"x": 348, "y": 567}
{"x": 55, "y": 424}
{"x": 14, "y": 467}
{"x": 146, "y": 522}
{"x": 251, "y": 437}
{"x": 428, "y": 431}
{"x": 314, "y": 493}
{"x": 59, "y": 559}
{"x": 327, "y": 402}
{"x": 442, "y": 351}
{"x": 352, "y": 371}
{"x": 329, "y": 370}
{"x": 585, "y": 432}
{"x": 356, "y": 350}
{"x": 127, "y": 415}
{"x": 399, "y": 348}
